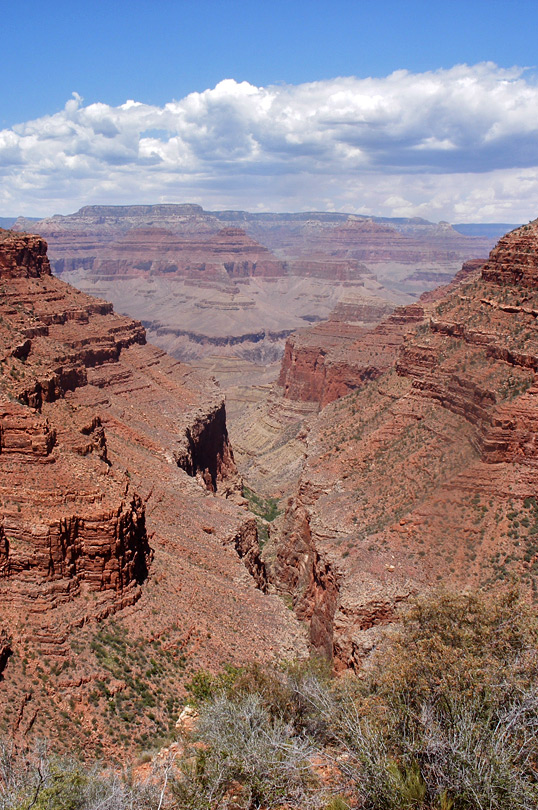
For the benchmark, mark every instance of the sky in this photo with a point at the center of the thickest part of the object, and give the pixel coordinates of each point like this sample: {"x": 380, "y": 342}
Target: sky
{"x": 386, "y": 108}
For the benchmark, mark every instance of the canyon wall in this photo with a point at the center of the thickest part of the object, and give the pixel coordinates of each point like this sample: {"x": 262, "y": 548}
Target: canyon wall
{"x": 121, "y": 507}
{"x": 426, "y": 475}
{"x": 338, "y": 356}
{"x": 236, "y": 284}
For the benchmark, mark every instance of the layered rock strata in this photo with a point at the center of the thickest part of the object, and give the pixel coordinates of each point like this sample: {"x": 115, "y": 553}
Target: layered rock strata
{"x": 320, "y": 365}
{"x": 119, "y": 498}
{"x": 226, "y": 256}
{"x": 311, "y": 239}
{"x": 428, "y": 474}
{"x": 233, "y": 284}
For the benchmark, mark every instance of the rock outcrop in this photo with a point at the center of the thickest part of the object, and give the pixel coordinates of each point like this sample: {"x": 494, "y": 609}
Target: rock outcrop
{"x": 54, "y": 538}
{"x": 428, "y": 474}
{"x": 119, "y": 503}
{"x": 205, "y": 449}
{"x": 514, "y": 259}
{"x": 22, "y": 256}
{"x": 338, "y": 356}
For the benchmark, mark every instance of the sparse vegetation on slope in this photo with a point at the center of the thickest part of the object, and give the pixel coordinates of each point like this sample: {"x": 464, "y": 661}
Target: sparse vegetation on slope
{"x": 265, "y": 509}
{"x": 443, "y": 717}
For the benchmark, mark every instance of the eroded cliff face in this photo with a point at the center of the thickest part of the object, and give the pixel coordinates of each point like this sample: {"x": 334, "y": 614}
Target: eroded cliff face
{"x": 428, "y": 474}
{"x": 336, "y": 357}
{"x": 119, "y": 503}
{"x": 311, "y": 581}
{"x": 326, "y": 245}
{"x": 22, "y": 256}
{"x": 234, "y": 284}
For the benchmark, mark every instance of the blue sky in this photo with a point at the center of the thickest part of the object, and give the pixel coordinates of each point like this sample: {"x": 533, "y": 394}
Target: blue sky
{"x": 285, "y": 134}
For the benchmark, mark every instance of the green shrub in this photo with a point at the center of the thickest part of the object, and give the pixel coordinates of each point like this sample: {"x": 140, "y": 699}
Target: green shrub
{"x": 448, "y": 713}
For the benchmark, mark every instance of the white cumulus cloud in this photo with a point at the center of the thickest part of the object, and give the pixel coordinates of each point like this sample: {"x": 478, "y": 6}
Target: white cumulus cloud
{"x": 457, "y": 144}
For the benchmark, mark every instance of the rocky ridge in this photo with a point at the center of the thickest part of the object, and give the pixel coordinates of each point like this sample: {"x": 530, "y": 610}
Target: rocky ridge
{"x": 427, "y": 474}
{"x": 121, "y": 520}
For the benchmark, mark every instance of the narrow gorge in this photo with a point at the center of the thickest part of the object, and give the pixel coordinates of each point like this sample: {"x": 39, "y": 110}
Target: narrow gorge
{"x": 425, "y": 474}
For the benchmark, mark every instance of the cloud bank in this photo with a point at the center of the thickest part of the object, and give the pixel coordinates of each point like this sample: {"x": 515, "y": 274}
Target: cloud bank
{"x": 458, "y": 144}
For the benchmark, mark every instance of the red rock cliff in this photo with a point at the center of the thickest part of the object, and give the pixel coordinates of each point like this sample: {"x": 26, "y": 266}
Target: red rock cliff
{"x": 5, "y": 650}
{"x": 427, "y": 475}
{"x": 93, "y": 426}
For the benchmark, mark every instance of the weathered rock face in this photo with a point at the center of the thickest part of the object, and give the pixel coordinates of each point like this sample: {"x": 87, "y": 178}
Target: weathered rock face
{"x": 51, "y": 547}
{"x": 55, "y": 538}
{"x": 332, "y": 359}
{"x": 226, "y": 255}
{"x": 119, "y": 497}
{"x": 311, "y": 580}
{"x": 231, "y": 284}
{"x": 22, "y": 257}
{"x": 427, "y": 475}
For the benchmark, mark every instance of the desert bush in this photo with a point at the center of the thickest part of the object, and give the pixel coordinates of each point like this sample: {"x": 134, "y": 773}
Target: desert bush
{"x": 37, "y": 781}
{"x": 444, "y": 715}
{"x": 447, "y": 713}
{"x": 283, "y": 690}
{"x": 243, "y": 757}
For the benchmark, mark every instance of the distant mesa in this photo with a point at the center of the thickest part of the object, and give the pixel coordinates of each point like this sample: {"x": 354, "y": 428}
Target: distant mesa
{"x": 150, "y": 251}
{"x": 331, "y": 237}
{"x": 493, "y": 230}
{"x": 204, "y": 279}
